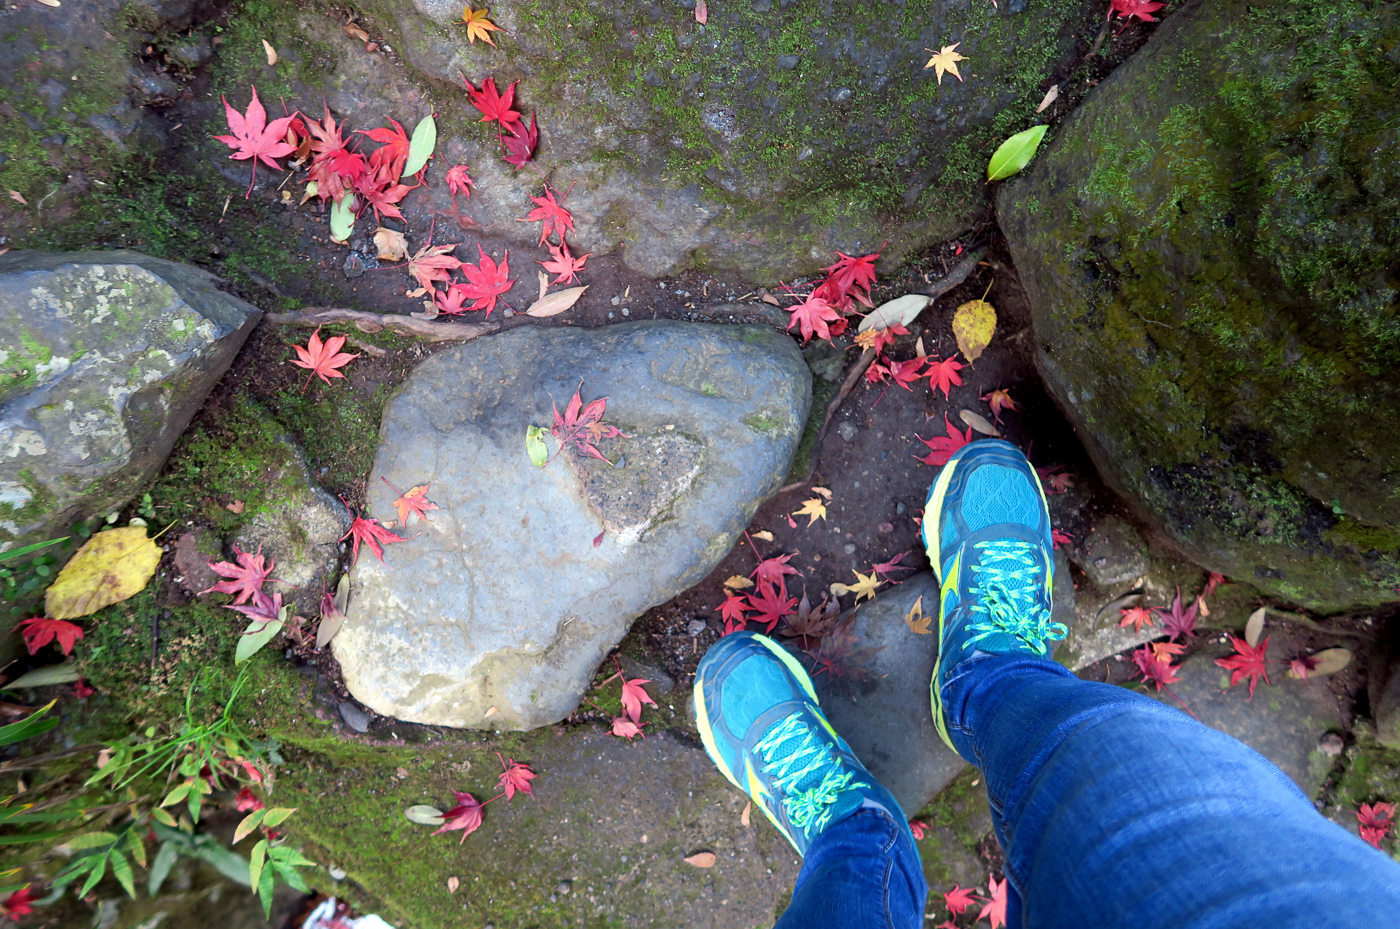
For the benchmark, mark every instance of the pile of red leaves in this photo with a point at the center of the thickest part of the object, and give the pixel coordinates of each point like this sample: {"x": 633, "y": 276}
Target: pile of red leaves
{"x": 822, "y": 313}
{"x": 960, "y": 900}
{"x": 466, "y": 817}
{"x": 629, "y": 725}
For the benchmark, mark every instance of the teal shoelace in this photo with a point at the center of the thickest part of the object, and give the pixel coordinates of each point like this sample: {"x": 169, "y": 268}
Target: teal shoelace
{"x": 794, "y": 755}
{"x": 1007, "y": 596}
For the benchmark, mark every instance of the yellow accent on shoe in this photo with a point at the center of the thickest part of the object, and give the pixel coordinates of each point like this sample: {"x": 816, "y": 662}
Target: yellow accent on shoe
{"x": 707, "y": 735}
{"x": 757, "y": 792}
{"x": 933, "y": 511}
{"x": 936, "y": 702}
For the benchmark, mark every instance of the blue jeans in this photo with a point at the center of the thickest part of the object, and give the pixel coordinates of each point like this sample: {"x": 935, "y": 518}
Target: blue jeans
{"x": 1113, "y": 811}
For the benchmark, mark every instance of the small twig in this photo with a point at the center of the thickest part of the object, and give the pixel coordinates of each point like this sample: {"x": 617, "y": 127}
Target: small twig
{"x": 264, "y": 283}
{"x": 432, "y": 330}
{"x": 38, "y": 761}
{"x": 1314, "y": 626}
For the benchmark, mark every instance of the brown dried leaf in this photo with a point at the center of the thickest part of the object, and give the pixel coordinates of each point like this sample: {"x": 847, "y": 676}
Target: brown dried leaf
{"x": 979, "y": 423}
{"x": 744, "y": 816}
{"x": 556, "y": 303}
{"x": 763, "y": 535}
{"x": 916, "y": 620}
{"x": 355, "y": 32}
{"x": 1051, "y": 96}
{"x": 738, "y": 582}
{"x": 392, "y": 245}
{"x": 453, "y": 884}
{"x": 271, "y": 53}
{"x": 1255, "y": 627}
{"x": 236, "y": 507}
{"x": 701, "y": 859}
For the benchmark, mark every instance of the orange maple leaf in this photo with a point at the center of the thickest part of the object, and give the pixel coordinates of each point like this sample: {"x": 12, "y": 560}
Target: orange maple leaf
{"x": 478, "y": 26}
{"x": 322, "y": 358}
{"x": 413, "y": 500}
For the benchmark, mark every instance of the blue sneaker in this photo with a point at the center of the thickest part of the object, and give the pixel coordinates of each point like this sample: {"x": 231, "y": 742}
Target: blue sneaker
{"x": 995, "y": 560}
{"x": 761, "y": 725}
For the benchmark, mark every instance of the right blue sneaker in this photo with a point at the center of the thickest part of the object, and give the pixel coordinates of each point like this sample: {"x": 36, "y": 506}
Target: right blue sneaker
{"x": 986, "y": 528}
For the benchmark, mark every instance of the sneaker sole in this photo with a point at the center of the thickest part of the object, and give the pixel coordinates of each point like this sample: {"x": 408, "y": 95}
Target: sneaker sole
{"x": 933, "y": 515}
{"x": 707, "y": 733}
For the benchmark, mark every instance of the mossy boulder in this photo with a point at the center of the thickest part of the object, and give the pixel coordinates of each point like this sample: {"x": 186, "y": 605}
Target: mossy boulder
{"x": 757, "y": 142}
{"x": 104, "y": 357}
{"x": 1210, "y": 247}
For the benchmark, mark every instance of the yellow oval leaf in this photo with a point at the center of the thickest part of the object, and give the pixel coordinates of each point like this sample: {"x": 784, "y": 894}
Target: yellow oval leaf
{"x": 979, "y": 422}
{"x": 738, "y": 582}
{"x": 271, "y": 53}
{"x": 974, "y": 323}
{"x": 110, "y": 567}
{"x": 556, "y": 303}
{"x": 701, "y": 860}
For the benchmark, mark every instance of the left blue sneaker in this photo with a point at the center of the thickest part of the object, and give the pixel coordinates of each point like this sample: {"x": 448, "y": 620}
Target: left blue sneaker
{"x": 762, "y": 726}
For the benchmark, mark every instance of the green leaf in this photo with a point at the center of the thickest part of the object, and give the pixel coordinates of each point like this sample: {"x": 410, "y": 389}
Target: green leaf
{"x": 1015, "y": 153}
{"x": 278, "y": 815}
{"x": 176, "y": 795}
{"x": 255, "y": 863}
{"x": 424, "y": 815}
{"x": 421, "y": 145}
{"x": 265, "y": 891}
{"x": 290, "y": 856}
{"x": 137, "y": 846}
{"x": 31, "y": 725}
{"x": 195, "y": 801}
{"x": 163, "y": 817}
{"x": 250, "y": 642}
{"x": 343, "y": 218}
{"x": 43, "y": 677}
{"x": 290, "y": 875}
{"x": 250, "y": 822}
{"x": 91, "y": 840}
{"x": 121, "y": 870}
{"x": 99, "y": 870}
{"x": 160, "y": 868}
{"x": 26, "y": 839}
{"x": 21, "y": 552}
{"x": 534, "y": 445}
{"x": 230, "y": 864}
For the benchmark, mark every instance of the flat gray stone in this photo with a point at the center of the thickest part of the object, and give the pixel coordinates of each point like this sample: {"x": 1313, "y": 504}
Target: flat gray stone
{"x": 104, "y": 357}
{"x": 299, "y": 532}
{"x": 504, "y": 604}
{"x": 1284, "y": 722}
{"x": 887, "y": 719}
{"x": 1113, "y": 553}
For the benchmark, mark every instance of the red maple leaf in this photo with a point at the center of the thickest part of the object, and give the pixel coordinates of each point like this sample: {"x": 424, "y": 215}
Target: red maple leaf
{"x": 773, "y": 570}
{"x": 38, "y": 632}
{"x": 943, "y": 373}
{"x": 1303, "y": 665}
{"x": 581, "y": 426}
{"x": 466, "y": 816}
{"x": 918, "y": 827}
{"x": 1247, "y": 662}
{"x": 1137, "y": 617}
{"x": 255, "y": 138}
{"x": 451, "y": 301}
{"x": 772, "y": 603}
{"x": 958, "y": 899}
{"x": 247, "y": 802}
{"x": 877, "y": 340}
{"x": 1128, "y": 9}
{"x": 245, "y": 578}
{"x": 564, "y": 266}
{"x": 813, "y": 314}
{"x": 994, "y": 907}
{"x": 999, "y": 400}
{"x": 328, "y": 152}
{"x": 459, "y": 181}
{"x": 521, "y": 142}
{"x": 848, "y": 277}
{"x": 626, "y": 728}
{"x": 1213, "y": 581}
{"x": 732, "y": 612}
{"x": 1177, "y": 622}
{"x": 1060, "y": 538}
{"x": 322, "y": 358}
{"x": 554, "y": 219}
{"x": 433, "y": 263}
{"x": 885, "y": 567}
{"x": 877, "y": 373}
{"x": 633, "y": 696}
{"x": 381, "y": 191}
{"x": 941, "y": 448}
{"x": 486, "y": 281}
{"x": 82, "y": 690}
{"x": 906, "y": 372}
{"x": 414, "y": 500}
{"x": 17, "y": 904}
{"x": 390, "y": 156}
{"x": 262, "y": 610}
{"x": 370, "y": 532}
{"x": 1154, "y": 668}
{"x": 494, "y": 107}
{"x": 515, "y": 777}
{"x": 1375, "y": 820}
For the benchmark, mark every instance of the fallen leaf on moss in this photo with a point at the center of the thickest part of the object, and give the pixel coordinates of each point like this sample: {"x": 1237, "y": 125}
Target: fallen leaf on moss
{"x": 236, "y": 507}
{"x": 271, "y": 53}
{"x": 452, "y": 882}
{"x": 1050, "y": 97}
{"x": 945, "y": 60}
{"x": 111, "y": 566}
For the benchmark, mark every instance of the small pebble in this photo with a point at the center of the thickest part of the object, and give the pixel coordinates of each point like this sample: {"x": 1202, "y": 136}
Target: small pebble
{"x": 626, "y": 311}
{"x": 616, "y": 301}
{"x": 695, "y": 627}
{"x": 849, "y": 548}
{"x": 848, "y": 430}
{"x": 563, "y": 888}
{"x": 886, "y": 528}
{"x": 336, "y": 874}
{"x": 900, "y": 510}
{"x": 610, "y": 316}
{"x": 1331, "y": 744}
{"x": 354, "y": 717}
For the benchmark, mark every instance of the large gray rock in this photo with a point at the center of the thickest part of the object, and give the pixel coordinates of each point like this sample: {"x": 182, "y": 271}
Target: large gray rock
{"x": 759, "y": 141}
{"x": 1209, "y": 251}
{"x": 505, "y": 603}
{"x": 104, "y": 358}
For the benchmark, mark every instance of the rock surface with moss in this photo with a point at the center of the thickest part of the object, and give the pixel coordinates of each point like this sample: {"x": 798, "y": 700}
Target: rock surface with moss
{"x": 105, "y": 357}
{"x": 502, "y": 604}
{"x": 1209, "y": 247}
{"x": 758, "y": 141}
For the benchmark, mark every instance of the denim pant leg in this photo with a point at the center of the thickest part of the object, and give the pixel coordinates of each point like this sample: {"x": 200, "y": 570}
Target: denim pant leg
{"x": 861, "y": 873}
{"x": 1115, "y": 810}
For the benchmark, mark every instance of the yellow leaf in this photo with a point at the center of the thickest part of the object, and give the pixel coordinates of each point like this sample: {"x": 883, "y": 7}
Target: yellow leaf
{"x": 916, "y": 620}
{"x": 945, "y": 60}
{"x": 979, "y": 422}
{"x": 392, "y": 245}
{"x": 701, "y": 860}
{"x": 557, "y": 302}
{"x": 863, "y": 587}
{"x": 738, "y": 582}
{"x": 1050, "y": 97}
{"x": 813, "y": 509}
{"x": 271, "y": 53}
{"x": 823, "y": 491}
{"x": 974, "y": 323}
{"x": 744, "y": 816}
{"x": 478, "y": 26}
{"x": 110, "y": 567}
{"x": 763, "y": 535}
